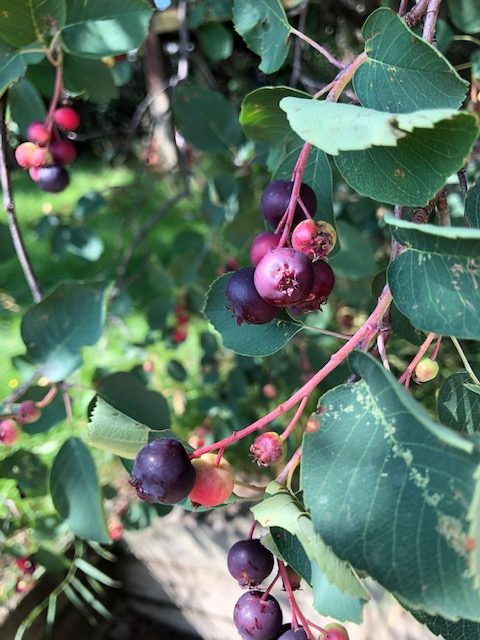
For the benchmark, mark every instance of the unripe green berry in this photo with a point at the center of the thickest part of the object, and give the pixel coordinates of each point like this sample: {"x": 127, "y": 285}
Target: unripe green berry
{"x": 426, "y": 370}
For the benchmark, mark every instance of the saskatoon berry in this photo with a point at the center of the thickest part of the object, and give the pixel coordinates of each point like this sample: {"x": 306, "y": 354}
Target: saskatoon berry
{"x": 323, "y": 283}
{"x": 213, "y": 483}
{"x": 291, "y": 634}
{"x": 283, "y": 277}
{"x": 268, "y": 449}
{"x": 28, "y": 412}
{"x": 63, "y": 151}
{"x": 275, "y": 199}
{"x": 67, "y": 118}
{"x": 33, "y": 171}
{"x": 40, "y": 157}
{"x": 26, "y": 565}
{"x": 23, "y": 154}
{"x": 249, "y": 562}
{"x": 163, "y": 472}
{"x": 263, "y": 243}
{"x": 314, "y": 239}
{"x": 52, "y": 179}
{"x": 426, "y": 370}
{"x": 245, "y": 301}
{"x": 257, "y": 619}
{"x": 335, "y": 631}
{"x": 8, "y": 432}
{"x": 37, "y": 132}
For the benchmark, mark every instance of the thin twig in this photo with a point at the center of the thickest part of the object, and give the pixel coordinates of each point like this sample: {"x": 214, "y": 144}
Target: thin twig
{"x": 414, "y": 16}
{"x": 182, "y": 69}
{"x": 324, "y": 52}
{"x": 466, "y": 364}
{"x": 402, "y": 9}
{"x": 297, "y": 53}
{"x": 9, "y": 207}
{"x": 431, "y": 17}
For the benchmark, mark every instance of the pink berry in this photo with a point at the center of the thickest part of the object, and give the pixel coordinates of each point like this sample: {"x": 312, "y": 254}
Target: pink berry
{"x": 263, "y": 243}
{"x": 8, "y": 432}
{"x": 67, "y": 118}
{"x": 268, "y": 449}
{"x": 335, "y": 631}
{"x": 41, "y": 157}
{"x": 28, "y": 412}
{"x": 25, "y": 565}
{"x": 213, "y": 483}
{"x": 37, "y": 132}
{"x": 34, "y": 173}
{"x": 63, "y": 151}
{"x": 284, "y": 277}
{"x": 314, "y": 239}
{"x": 23, "y": 154}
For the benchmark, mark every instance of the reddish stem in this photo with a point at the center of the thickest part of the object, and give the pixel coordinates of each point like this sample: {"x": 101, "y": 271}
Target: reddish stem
{"x": 291, "y": 464}
{"x": 365, "y": 333}
{"x": 295, "y": 419}
{"x": 270, "y": 587}
{"x": 57, "y": 92}
{"x": 282, "y": 570}
{"x": 436, "y": 348}
{"x": 407, "y": 374}
{"x": 297, "y": 176}
{"x": 47, "y": 399}
{"x": 252, "y": 530}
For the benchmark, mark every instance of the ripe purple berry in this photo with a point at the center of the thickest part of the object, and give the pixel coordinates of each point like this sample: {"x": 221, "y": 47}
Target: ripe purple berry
{"x": 263, "y": 243}
{"x": 257, "y": 619}
{"x": 284, "y": 277}
{"x": 275, "y": 199}
{"x": 323, "y": 283}
{"x": 245, "y": 301}
{"x": 249, "y": 562}
{"x": 163, "y": 472}
{"x": 292, "y": 634}
{"x": 53, "y": 179}
{"x": 268, "y": 449}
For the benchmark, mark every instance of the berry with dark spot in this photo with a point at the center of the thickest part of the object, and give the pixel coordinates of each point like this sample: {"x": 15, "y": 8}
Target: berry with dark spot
{"x": 284, "y": 277}
{"x": 257, "y": 617}
{"x": 249, "y": 562}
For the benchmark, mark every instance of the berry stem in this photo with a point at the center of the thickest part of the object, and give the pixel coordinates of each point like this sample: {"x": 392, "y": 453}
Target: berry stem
{"x": 48, "y": 397}
{"x": 324, "y": 52}
{"x": 290, "y": 467}
{"x": 407, "y": 374}
{"x": 57, "y": 92}
{"x": 9, "y": 207}
{"x": 436, "y": 348}
{"x": 382, "y": 350}
{"x": 282, "y": 570}
{"x": 365, "y": 333}
{"x": 269, "y": 588}
{"x": 252, "y": 530}
{"x": 297, "y": 176}
{"x": 344, "y": 77}
{"x": 295, "y": 419}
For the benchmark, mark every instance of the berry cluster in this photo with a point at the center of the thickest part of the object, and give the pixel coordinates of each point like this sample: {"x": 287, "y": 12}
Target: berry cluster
{"x": 296, "y": 276}
{"x": 46, "y": 153}
{"x": 164, "y": 473}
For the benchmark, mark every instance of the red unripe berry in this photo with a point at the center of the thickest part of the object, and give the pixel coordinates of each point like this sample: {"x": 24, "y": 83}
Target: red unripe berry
{"x": 27, "y": 412}
{"x": 269, "y": 391}
{"x": 179, "y": 335}
{"x": 25, "y": 565}
{"x": 66, "y": 118}
{"x": 268, "y": 449}
{"x": 334, "y": 631}
{"x": 8, "y": 432}
{"x": 23, "y": 154}
{"x": 34, "y": 173}
{"x": 37, "y": 132}
{"x": 41, "y": 157}
{"x": 262, "y": 244}
{"x": 63, "y": 151}
{"x": 314, "y": 239}
{"x": 213, "y": 483}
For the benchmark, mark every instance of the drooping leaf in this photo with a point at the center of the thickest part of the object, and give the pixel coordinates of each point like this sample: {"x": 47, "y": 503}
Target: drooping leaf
{"x": 458, "y": 407}
{"x": 435, "y": 281}
{"x": 376, "y": 151}
{"x": 465, "y": 15}
{"x": 404, "y": 72}
{"x": 264, "y": 26}
{"x": 55, "y": 329}
{"x": 90, "y": 79}
{"x": 394, "y": 492}
{"x": 340, "y": 593}
{"x": 102, "y": 28}
{"x": 76, "y": 493}
{"x": 246, "y": 339}
{"x": 126, "y": 393}
{"x": 26, "y": 105}
{"x": 206, "y": 118}
{"x": 472, "y": 206}
{"x": 25, "y": 21}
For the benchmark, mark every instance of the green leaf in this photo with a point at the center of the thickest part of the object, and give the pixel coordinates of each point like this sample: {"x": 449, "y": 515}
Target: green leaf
{"x": 289, "y": 548}
{"x": 206, "y": 118}
{"x": 52, "y": 562}
{"x": 55, "y": 329}
{"x": 13, "y": 65}
{"x": 460, "y": 630}
{"x": 356, "y": 259}
{"x": 76, "y": 493}
{"x": 465, "y": 15}
{"x": 458, "y": 407}
{"x": 264, "y": 26}
{"x": 435, "y": 281}
{"x": 90, "y": 79}
{"x": 394, "y": 492}
{"x": 28, "y": 471}
{"x": 99, "y": 28}
{"x": 126, "y": 393}
{"x": 113, "y": 431}
{"x": 26, "y": 105}
{"x": 216, "y": 41}
{"x": 395, "y": 158}
{"x": 246, "y": 339}
{"x": 403, "y": 72}
{"x": 343, "y": 592}
{"x": 472, "y": 206}
{"x": 25, "y": 21}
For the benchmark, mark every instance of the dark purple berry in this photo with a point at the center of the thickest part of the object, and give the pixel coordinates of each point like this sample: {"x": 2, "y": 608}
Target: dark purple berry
{"x": 52, "y": 179}
{"x": 257, "y": 619}
{"x": 263, "y": 243}
{"x": 249, "y": 562}
{"x": 284, "y": 277}
{"x": 289, "y": 634}
{"x": 275, "y": 199}
{"x": 245, "y": 301}
{"x": 163, "y": 472}
{"x": 323, "y": 283}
